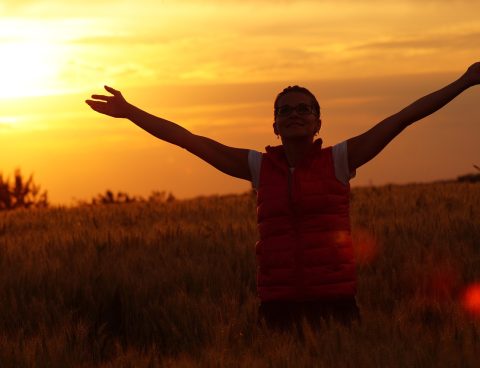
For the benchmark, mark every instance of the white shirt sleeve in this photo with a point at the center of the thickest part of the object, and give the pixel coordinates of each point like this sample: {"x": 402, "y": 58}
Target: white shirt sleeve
{"x": 255, "y": 161}
{"x": 340, "y": 161}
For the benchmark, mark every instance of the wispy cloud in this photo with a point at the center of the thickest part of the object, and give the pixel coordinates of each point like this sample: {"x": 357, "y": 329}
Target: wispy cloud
{"x": 122, "y": 40}
{"x": 147, "y": 42}
{"x": 25, "y": 7}
{"x": 437, "y": 41}
{"x": 6, "y": 122}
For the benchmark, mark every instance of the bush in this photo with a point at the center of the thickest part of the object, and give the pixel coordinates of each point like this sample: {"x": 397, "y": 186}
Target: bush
{"x": 21, "y": 193}
{"x": 110, "y": 197}
{"x": 470, "y": 178}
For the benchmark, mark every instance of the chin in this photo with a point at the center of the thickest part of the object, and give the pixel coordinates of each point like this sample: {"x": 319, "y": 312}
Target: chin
{"x": 298, "y": 136}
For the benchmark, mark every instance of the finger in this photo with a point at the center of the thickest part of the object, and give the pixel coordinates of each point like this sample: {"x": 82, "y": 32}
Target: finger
{"x": 113, "y": 91}
{"x": 102, "y": 97}
{"x": 96, "y": 105}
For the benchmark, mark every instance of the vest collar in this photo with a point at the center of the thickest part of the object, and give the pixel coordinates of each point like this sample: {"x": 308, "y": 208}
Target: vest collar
{"x": 278, "y": 156}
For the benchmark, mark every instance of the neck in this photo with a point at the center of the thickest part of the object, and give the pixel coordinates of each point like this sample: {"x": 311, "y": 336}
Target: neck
{"x": 296, "y": 149}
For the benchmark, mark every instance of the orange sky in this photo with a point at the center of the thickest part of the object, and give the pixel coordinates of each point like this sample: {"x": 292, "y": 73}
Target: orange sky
{"x": 215, "y": 67}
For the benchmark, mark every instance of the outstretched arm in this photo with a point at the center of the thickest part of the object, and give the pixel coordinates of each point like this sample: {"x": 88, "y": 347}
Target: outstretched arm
{"x": 366, "y": 146}
{"x": 231, "y": 161}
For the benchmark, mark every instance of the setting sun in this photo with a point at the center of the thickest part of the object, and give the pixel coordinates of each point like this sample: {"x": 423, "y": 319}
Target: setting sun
{"x": 27, "y": 68}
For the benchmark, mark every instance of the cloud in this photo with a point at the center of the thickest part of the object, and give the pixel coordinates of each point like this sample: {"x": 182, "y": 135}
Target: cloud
{"x": 18, "y": 4}
{"x": 53, "y": 8}
{"x": 4, "y": 126}
{"x": 438, "y": 41}
{"x": 124, "y": 39}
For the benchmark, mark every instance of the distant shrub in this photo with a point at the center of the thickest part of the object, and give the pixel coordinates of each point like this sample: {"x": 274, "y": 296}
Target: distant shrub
{"x": 21, "y": 193}
{"x": 160, "y": 197}
{"x": 470, "y": 178}
{"x": 109, "y": 197}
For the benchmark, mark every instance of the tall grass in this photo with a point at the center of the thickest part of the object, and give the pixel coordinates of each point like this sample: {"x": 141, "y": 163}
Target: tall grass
{"x": 173, "y": 284}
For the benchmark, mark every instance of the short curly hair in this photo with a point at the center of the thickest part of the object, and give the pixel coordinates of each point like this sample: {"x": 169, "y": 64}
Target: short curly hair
{"x": 296, "y": 88}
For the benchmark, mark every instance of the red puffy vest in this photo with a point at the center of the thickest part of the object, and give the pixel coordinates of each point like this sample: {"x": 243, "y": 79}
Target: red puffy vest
{"x": 305, "y": 249}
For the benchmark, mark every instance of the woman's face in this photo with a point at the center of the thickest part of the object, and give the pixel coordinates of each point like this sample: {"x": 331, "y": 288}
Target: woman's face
{"x": 296, "y": 117}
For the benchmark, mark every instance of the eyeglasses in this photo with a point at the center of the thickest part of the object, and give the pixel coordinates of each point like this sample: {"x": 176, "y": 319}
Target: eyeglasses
{"x": 301, "y": 109}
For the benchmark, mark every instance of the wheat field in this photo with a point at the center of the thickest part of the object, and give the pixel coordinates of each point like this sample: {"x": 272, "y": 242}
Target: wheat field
{"x": 172, "y": 284}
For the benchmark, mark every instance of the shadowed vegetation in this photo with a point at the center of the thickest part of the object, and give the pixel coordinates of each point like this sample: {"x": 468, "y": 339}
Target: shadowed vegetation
{"x": 109, "y": 197}
{"x": 159, "y": 284}
{"x": 471, "y": 178}
{"x": 21, "y": 193}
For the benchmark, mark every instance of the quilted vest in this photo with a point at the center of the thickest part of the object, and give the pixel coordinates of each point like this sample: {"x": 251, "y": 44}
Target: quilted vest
{"x": 305, "y": 249}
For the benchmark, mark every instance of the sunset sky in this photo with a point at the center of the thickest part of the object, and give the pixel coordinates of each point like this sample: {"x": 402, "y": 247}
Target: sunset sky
{"x": 215, "y": 67}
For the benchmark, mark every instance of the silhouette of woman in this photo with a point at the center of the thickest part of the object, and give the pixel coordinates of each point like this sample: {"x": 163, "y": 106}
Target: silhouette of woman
{"x": 304, "y": 256}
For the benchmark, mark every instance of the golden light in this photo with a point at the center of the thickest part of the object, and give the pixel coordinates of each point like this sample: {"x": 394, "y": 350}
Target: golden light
{"x": 9, "y": 120}
{"x": 27, "y": 68}
{"x": 471, "y": 299}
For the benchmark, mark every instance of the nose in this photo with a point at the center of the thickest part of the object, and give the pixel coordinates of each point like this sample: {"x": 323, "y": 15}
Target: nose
{"x": 294, "y": 112}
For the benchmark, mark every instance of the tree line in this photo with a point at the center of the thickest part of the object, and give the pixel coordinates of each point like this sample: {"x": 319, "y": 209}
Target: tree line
{"x": 20, "y": 192}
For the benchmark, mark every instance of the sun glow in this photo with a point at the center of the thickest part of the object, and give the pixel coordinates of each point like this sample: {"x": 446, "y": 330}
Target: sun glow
{"x": 27, "y": 68}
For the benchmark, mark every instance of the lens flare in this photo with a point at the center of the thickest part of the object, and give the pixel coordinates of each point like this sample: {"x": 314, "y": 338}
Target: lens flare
{"x": 471, "y": 299}
{"x": 366, "y": 246}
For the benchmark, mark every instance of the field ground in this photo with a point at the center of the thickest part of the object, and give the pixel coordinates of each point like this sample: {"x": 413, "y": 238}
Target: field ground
{"x": 173, "y": 284}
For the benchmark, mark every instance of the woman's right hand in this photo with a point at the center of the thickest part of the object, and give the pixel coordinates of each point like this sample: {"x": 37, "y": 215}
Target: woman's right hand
{"x": 115, "y": 106}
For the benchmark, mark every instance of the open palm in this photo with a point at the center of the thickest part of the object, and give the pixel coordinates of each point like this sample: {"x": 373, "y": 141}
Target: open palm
{"x": 115, "y": 106}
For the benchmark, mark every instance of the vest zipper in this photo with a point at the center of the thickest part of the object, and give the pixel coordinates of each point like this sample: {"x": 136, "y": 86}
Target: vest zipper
{"x": 298, "y": 268}
{"x": 290, "y": 197}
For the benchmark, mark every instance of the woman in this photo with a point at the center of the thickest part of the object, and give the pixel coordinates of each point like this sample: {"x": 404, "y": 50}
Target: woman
{"x": 305, "y": 257}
